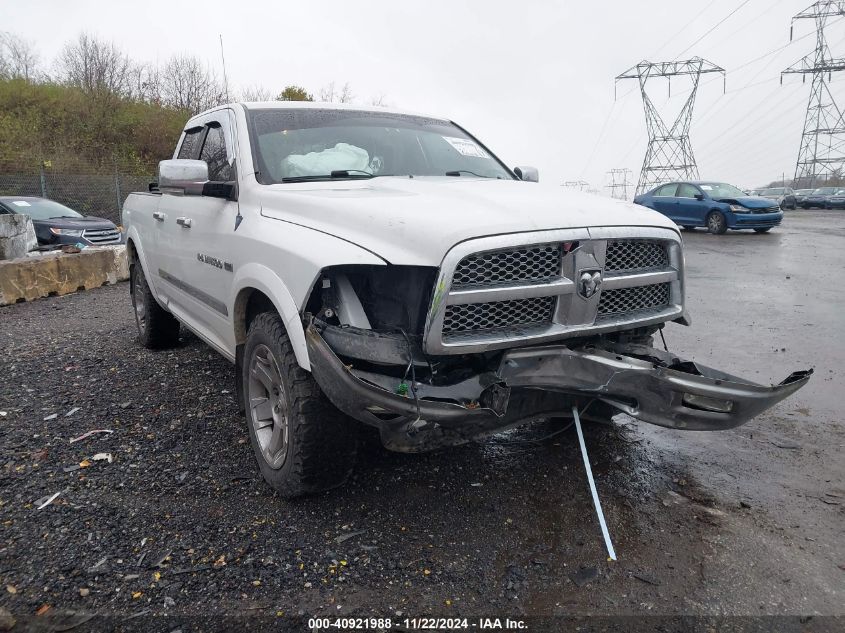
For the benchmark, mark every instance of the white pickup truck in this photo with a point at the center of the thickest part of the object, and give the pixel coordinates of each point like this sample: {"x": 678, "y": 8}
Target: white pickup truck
{"x": 363, "y": 264}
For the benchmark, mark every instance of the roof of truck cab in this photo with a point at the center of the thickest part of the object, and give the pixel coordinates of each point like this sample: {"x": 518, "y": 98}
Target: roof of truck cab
{"x": 318, "y": 105}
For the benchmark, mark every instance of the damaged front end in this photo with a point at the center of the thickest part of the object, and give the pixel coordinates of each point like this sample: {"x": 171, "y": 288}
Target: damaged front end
{"x": 514, "y": 327}
{"x": 603, "y": 375}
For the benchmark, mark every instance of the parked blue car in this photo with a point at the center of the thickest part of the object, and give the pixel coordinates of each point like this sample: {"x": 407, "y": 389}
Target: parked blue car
{"x": 714, "y": 205}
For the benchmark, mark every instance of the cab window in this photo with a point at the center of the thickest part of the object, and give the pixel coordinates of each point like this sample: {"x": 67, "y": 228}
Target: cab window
{"x": 190, "y": 143}
{"x": 214, "y": 153}
{"x": 666, "y": 191}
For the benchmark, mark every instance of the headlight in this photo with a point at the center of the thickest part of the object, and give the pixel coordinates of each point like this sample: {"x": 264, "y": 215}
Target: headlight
{"x": 738, "y": 208}
{"x": 69, "y": 232}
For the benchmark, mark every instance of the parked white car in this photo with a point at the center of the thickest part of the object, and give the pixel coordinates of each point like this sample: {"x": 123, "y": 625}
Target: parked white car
{"x": 363, "y": 264}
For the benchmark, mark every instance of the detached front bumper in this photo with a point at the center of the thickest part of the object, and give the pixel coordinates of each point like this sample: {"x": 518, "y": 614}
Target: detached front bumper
{"x": 646, "y": 383}
{"x": 649, "y": 384}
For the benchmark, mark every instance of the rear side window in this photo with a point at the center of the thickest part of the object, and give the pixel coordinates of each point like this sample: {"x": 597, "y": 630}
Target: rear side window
{"x": 188, "y": 149}
{"x": 666, "y": 191}
{"x": 214, "y": 153}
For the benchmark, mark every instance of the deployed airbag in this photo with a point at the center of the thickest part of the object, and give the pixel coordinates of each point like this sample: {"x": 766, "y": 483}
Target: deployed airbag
{"x": 341, "y": 156}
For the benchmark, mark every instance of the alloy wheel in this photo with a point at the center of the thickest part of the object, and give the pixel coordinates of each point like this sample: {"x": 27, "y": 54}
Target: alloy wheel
{"x": 714, "y": 223}
{"x": 268, "y": 406}
{"x": 140, "y": 304}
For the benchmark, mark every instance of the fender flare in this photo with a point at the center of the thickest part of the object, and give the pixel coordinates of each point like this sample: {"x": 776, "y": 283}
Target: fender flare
{"x": 259, "y": 277}
{"x": 134, "y": 240}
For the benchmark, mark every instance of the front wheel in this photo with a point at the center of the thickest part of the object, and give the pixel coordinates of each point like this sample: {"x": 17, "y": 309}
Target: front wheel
{"x": 688, "y": 228}
{"x": 157, "y": 328}
{"x": 765, "y": 230}
{"x": 302, "y": 443}
{"x": 716, "y": 223}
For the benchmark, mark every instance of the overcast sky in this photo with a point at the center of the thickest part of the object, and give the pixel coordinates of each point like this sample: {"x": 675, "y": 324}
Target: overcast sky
{"x": 534, "y": 80}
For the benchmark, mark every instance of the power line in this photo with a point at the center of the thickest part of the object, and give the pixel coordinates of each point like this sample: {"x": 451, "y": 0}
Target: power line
{"x": 684, "y": 28}
{"x": 713, "y": 28}
{"x": 601, "y": 133}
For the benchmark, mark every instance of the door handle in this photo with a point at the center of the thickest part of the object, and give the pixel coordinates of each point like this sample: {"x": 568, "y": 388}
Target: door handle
{"x": 185, "y": 222}
{"x": 158, "y": 215}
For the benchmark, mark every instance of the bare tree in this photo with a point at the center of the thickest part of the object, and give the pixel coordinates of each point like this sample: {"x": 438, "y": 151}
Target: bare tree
{"x": 330, "y": 94}
{"x": 146, "y": 83}
{"x": 96, "y": 66}
{"x": 346, "y": 95}
{"x": 18, "y": 58}
{"x": 327, "y": 93}
{"x": 257, "y": 93}
{"x": 379, "y": 100}
{"x": 188, "y": 84}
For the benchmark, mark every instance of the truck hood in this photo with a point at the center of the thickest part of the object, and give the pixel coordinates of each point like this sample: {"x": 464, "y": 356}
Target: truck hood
{"x": 415, "y": 221}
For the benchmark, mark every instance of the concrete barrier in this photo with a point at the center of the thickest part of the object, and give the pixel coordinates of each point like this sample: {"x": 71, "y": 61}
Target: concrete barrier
{"x": 59, "y": 273}
{"x": 17, "y": 236}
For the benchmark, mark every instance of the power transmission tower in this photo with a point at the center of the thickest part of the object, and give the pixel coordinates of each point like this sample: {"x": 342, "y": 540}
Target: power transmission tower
{"x": 822, "y": 151}
{"x": 580, "y": 185}
{"x": 669, "y": 154}
{"x": 619, "y": 183}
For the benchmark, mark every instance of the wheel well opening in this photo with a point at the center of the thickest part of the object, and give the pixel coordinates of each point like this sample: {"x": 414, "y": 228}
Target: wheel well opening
{"x": 130, "y": 251}
{"x": 248, "y": 305}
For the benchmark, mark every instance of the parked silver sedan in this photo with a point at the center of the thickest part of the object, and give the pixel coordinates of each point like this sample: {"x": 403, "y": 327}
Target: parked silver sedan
{"x": 784, "y": 196}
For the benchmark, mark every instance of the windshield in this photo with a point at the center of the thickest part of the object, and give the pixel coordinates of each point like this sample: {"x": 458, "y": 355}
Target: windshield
{"x": 824, "y": 191}
{"x": 305, "y": 144}
{"x": 39, "y": 208}
{"x": 722, "y": 190}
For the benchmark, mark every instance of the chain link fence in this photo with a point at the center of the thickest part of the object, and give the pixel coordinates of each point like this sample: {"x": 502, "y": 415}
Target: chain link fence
{"x": 97, "y": 194}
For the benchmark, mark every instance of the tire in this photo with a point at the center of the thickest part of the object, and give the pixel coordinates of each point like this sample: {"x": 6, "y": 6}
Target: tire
{"x": 157, "y": 328}
{"x": 688, "y": 228}
{"x": 765, "y": 230}
{"x": 302, "y": 443}
{"x": 716, "y": 223}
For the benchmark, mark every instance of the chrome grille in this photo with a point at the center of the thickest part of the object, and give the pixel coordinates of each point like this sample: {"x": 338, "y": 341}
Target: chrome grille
{"x": 497, "y": 314}
{"x": 102, "y": 236}
{"x": 625, "y": 300}
{"x": 501, "y": 291}
{"x": 530, "y": 264}
{"x": 635, "y": 255}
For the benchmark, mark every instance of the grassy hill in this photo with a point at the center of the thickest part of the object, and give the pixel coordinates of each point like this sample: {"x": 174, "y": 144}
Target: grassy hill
{"x": 82, "y": 133}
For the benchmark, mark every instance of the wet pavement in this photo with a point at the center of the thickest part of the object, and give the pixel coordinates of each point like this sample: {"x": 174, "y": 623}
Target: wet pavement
{"x": 742, "y": 522}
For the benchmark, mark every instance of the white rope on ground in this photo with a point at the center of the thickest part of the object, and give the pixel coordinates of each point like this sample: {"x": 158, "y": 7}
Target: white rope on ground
{"x": 610, "y": 552}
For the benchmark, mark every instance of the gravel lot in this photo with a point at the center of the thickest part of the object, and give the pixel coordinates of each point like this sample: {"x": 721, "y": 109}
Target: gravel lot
{"x": 179, "y": 525}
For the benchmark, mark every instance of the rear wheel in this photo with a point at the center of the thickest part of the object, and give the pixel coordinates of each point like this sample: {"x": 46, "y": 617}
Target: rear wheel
{"x": 157, "y": 328}
{"x": 716, "y": 223}
{"x": 688, "y": 228}
{"x": 302, "y": 443}
{"x": 765, "y": 230}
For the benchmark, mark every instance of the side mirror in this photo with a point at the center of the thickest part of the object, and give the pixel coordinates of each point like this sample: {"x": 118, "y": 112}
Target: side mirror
{"x": 182, "y": 176}
{"x": 528, "y": 174}
{"x": 699, "y": 196}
